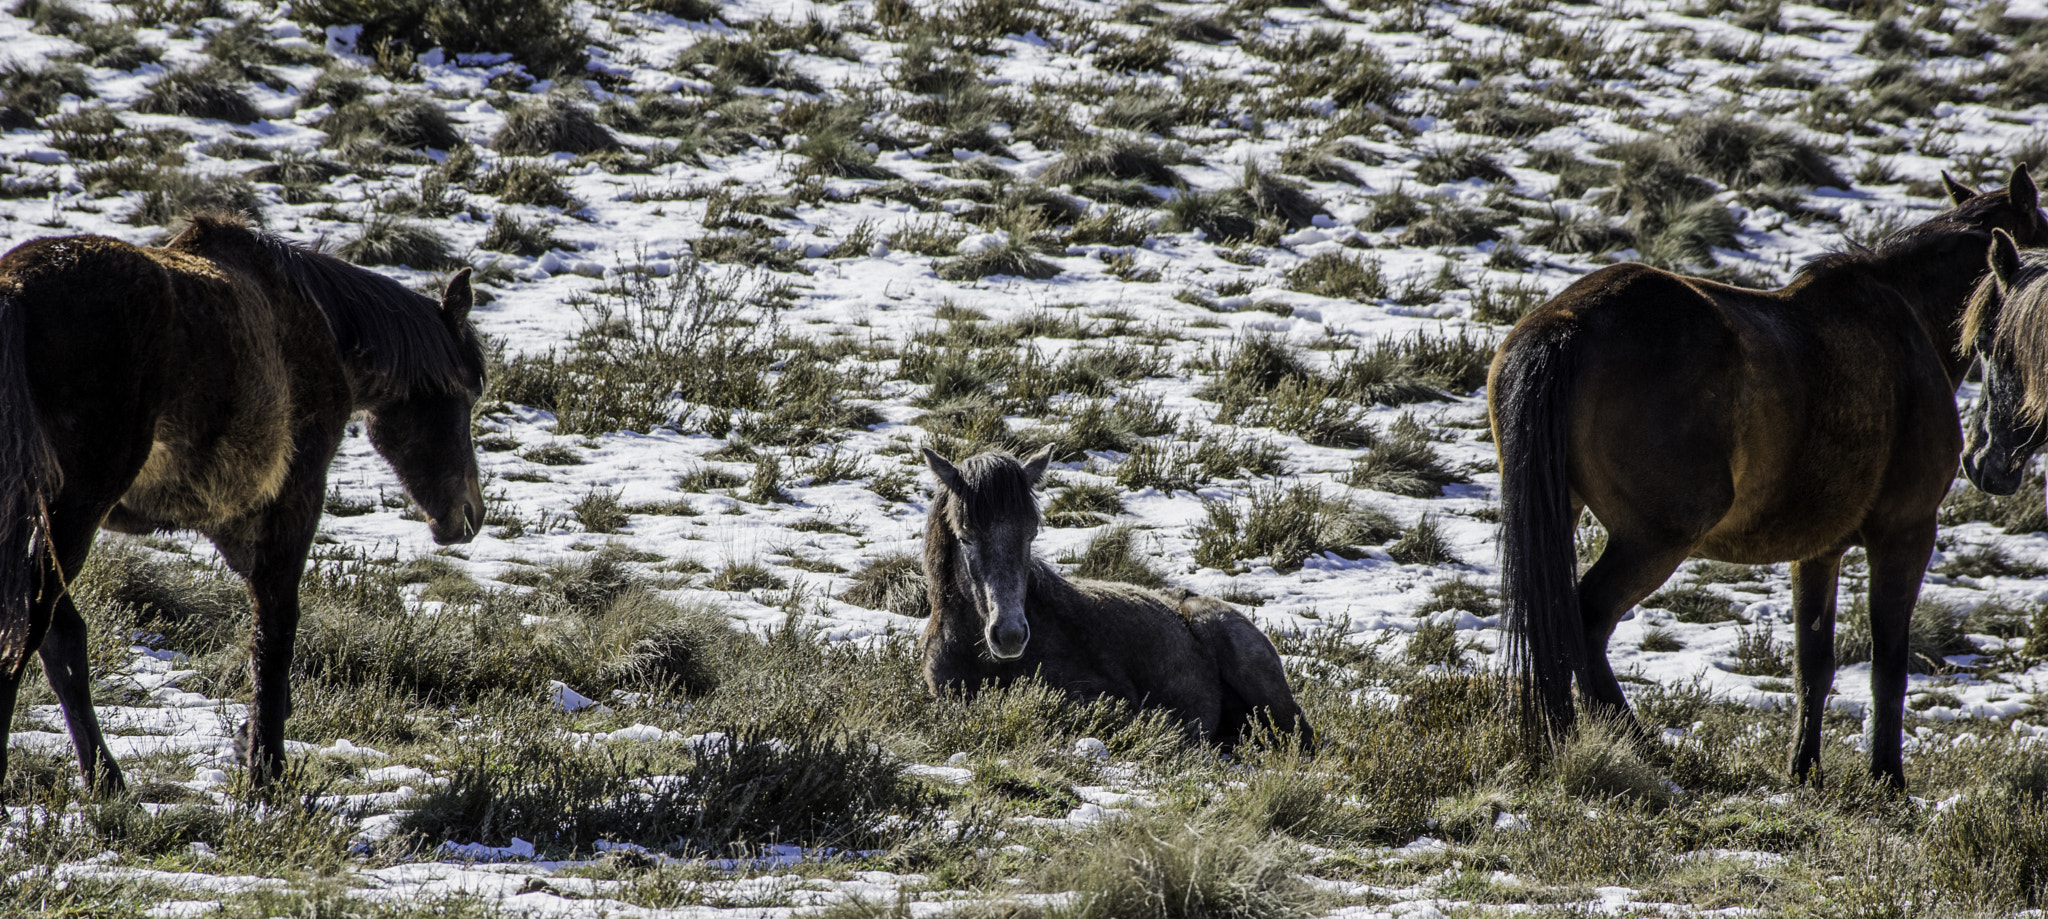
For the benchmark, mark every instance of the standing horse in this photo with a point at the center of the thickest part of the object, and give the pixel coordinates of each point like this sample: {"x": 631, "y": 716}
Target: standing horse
{"x": 2007, "y": 328}
{"x": 1698, "y": 419}
{"x": 205, "y": 386}
{"x": 1000, "y": 615}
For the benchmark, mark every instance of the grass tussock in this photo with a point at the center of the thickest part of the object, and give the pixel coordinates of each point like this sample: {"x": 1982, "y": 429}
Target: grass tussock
{"x": 1285, "y": 526}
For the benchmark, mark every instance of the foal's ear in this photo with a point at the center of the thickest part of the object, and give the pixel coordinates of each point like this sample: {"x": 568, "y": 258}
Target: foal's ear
{"x": 1957, "y": 191}
{"x": 2005, "y": 260}
{"x": 1034, "y": 468}
{"x": 2024, "y": 194}
{"x": 457, "y": 298}
{"x": 949, "y": 475}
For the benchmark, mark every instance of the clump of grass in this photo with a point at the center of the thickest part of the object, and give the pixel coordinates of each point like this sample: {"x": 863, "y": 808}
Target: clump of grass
{"x": 1659, "y": 639}
{"x": 510, "y": 234}
{"x": 1391, "y": 208}
{"x": 600, "y": 512}
{"x": 385, "y": 239}
{"x": 744, "y": 60}
{"x": 1743, "y": 153}
{"x": 894, "y": 582}
{"x": 1112, "y": 555}
{"x": 744, "y": 576}
{"x": 555, "y": 123}
{"x": 1423, "y": 544}
{"x": 1176, "y": 867}
{"x": 402, "y": 121}
{"x": 534, "y": 182}
{"x": 1273, "y": 198}
{"x": 1083, "y": 505}
{"x": 1935, "y": 634}
{"x": 205, "y": 91}
{"x": 1989, "y": 560}
{"x": 1405, "y": 463}
{"x": 552, "y": 454}
{"x": 1105, "y": 157}
{"x": 538, "y": 33}
{"x": 28, "y": 94}
{"x": 1694, "y": 604}
{"x": 169, "y": 194}
{"x": 794, "y": 784}
{"x": 1418, "y": 368}
{"x": 1576, "y": 232}
{"x": 1600, "y": 762}
{"x": 1337, "y": 274}
{"x": 1506, "y": 304}
{"x": 1456, "y": 164}
{"x": 2018, "y": 513}
{"x": 1286, "y": 525}
{"x": 1758, "y": 653}
{"x": 1220, "y": 216}
{"x": 1013, "y": 258}
{"x": 1196, "y": 459}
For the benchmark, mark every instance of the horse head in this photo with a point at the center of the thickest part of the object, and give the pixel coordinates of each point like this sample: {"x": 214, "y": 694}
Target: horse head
{"x": 987, "y": 507}
{"x": 2006, "y": 425}
{"x": 424, "y": 431}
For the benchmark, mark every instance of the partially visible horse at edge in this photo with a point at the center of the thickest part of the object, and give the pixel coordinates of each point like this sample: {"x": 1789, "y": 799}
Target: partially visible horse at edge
{"x": 999, "y": 614}
{"x": 2007, "y": 329}
{"x": 1696, "y": 419}
{"x": 206, "y": 385}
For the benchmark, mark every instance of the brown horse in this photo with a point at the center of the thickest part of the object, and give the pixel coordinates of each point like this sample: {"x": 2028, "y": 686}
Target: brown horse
{"x": 2007, "y": 328}
{"x": 1698, "y": 419}
{"x": 1000, "y": 615}
{"x": 205, "y": 386}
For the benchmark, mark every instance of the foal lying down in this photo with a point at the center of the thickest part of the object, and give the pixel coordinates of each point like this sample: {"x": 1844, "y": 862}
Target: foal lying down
{"x": 1000, "y": 614}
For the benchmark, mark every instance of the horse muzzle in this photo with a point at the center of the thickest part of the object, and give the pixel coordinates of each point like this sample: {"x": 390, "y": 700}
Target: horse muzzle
{"x": 1994, "y": 478}
{"x": 463, "y": 521}
{"x": 1007, "y": 642}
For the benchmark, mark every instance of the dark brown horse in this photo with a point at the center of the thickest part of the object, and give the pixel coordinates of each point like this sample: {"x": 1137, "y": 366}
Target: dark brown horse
{"x": 205, "y": 386}
{"x": 1000, "y": 615}
{"x": 1695, "y": 419}
{"x": 2007, "y": 328}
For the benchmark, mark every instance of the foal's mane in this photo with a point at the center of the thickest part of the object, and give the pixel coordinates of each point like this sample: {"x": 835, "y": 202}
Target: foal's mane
{"x": 392, "y": 338}
{"x": 2019, "y": 327}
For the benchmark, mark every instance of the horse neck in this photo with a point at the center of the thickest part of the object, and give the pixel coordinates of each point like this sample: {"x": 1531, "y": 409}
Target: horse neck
{"x": 1936, "y": 286}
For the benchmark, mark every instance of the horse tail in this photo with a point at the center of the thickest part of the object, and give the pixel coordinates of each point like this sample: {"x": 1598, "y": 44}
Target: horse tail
{"x": 1531, "y": 394}
{"x": 29, "y": 475}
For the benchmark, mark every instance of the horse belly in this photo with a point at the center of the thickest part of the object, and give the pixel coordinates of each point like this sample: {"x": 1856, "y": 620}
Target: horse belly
{"x": 189, "y": 485}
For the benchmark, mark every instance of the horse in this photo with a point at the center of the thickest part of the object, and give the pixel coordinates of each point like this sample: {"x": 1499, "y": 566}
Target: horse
{"x": 205, "y": 385}
{"x": 1696, "y": 419}
{"x": 2006, "y": 327}
{"x": 999, "y": 614}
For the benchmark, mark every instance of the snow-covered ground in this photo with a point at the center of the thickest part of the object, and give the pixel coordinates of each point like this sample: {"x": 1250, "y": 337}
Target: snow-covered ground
{"x": 650, "y": 221}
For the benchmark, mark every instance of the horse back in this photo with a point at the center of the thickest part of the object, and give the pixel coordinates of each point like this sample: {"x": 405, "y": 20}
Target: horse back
{"x": 1764, "y": 425}
{"x": 174, "y": 372}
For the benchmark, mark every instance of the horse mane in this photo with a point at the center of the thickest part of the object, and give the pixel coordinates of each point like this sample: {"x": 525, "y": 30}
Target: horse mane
{"x": 391, "y": 338}
{"x": 1908, "y": 244}
{"x": 2019, "y": 326}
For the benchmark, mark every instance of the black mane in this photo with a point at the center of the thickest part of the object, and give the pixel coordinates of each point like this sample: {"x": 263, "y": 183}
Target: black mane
{"x": 1912, "y": 242}
{"x": 391, "y": 337}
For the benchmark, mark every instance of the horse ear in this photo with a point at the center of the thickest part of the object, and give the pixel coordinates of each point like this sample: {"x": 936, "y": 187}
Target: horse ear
{"x": 2005, "y": 260}
{"x": 1034, "y": 468}
{"x": 1957, "y": 191}
{"x": 2024, "y": 194}
{"x": 949, "y": 475}
{"x": 458, "y": 298}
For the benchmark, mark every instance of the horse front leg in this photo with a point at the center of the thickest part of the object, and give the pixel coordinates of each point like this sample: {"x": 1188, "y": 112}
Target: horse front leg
{"x": 1813, "y": 641}
{"x": 270, "y": 554}
{"x": 1896, "y": 568}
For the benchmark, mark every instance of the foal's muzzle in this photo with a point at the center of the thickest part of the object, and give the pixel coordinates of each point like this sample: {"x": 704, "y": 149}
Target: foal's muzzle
{"x": 462, "y": 522}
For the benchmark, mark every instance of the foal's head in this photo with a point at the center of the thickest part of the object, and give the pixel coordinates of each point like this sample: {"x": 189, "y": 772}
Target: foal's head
{"x": 2007, "y": 325}
{"x": 423, "y": 430}
{"x": 986, "y": 505}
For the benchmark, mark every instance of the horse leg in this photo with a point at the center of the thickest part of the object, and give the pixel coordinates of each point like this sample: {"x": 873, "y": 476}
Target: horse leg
{"x": 1629, "y": 569}
{"x": 1813, "y": 611}
{"x": 1896, "y": 567}
{"x": 271, "y": 557}
{"x": 64, "y": 649}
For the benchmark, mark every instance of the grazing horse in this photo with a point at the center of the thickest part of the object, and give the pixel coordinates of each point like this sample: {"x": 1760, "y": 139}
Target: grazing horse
{"x": 2007, "y": 328}
{"x": 1695, "y": 419}
{"x": 205, "y": 385}
{"x": 999, "y": 614}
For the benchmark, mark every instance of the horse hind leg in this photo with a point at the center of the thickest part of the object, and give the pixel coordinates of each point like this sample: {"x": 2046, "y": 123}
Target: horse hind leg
{"x": 64, "y": 652}
{"x": 1813, "y": 642}
{"x": 1629, "y": 569}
